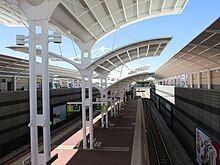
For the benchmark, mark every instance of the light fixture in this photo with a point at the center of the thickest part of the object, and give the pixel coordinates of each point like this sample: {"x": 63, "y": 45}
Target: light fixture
{"x": 55, "y": 38}
{"x": 20, "y": 40}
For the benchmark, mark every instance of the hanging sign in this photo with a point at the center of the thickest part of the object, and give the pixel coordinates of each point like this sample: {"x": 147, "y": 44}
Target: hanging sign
{"x": 104, "y": 108}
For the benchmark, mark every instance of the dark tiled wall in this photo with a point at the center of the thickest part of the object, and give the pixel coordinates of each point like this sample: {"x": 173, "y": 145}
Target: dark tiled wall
{"x": 14, "y": 114}
{"x": 193, "y": 108}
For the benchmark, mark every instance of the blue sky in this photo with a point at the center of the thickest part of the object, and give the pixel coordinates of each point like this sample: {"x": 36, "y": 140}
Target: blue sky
{"x": 197, "y": 15}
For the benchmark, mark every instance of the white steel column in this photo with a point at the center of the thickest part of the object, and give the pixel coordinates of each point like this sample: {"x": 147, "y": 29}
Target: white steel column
{"x": 111, "y": 105}
{"x": 73, "y": 83}
{"x": 90, "y": 113}
{"x": 15, "y": 83}
{"x": 33, "y": 93}
{"x": 90, "y": 110}
{"x": 208, "y": 79}
{"x": 119, "y": 99}
{"x": 198, "y": 80}
{"x": 38, "y": 15}
{"x": 115, "y": 106}
{"x": 102, "y": 115}
{"x": 106, "y": 103}
{"x": 83, "y": 89}
{"x": 45, "y": 91}
{"x": 53, "y": 87}
{"x": 191, "y": 80}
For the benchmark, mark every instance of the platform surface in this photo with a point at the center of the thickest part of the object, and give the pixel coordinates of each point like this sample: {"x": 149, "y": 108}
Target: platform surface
{"x": 116, "y": 142}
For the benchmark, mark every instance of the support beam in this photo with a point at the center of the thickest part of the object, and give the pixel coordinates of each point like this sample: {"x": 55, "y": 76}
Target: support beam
{"x": 33, "y": 93}
{"x": 137, "y": 8}
{"x": 163, "y": 4}
{"x": 191, "y": 80}
{"x": 83, "y": 88}
{"x": 90, "y": 8}
{"x": 104, "y": 68}
{"x": 111, "y": 104}
{"x": 209, "y": 79}
{"x": 157, "y": 49}
{"x": 112, "y": 63}
{"x": 120, "y": 59}
{"x": 15, "y": 83}
{"x": 198, "y": 80}
{"x": 90, "y": 112}
{"x": 110, "y": 13}
{"x": 102, "y": 115}
{"x": 148, "y": 47}
{"x": 106, "y": 103}
{"x": 129, "y": 55}
{"x": 69, "y": 10}
{"x": 123, "y": 7}
{"x": 45, "y": 91}
{"x": 138, "y": 53}
{"x": 176, "y": 3}
{"x": 150, "y": 6}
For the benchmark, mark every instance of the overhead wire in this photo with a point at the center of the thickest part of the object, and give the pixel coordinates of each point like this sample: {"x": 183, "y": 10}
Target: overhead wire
{"x": 113, "y": 44}
{"x": 128, "y": 35}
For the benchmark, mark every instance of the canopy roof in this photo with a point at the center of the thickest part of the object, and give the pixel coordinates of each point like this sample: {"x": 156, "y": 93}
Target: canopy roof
{"x": 200, "y": 54}
{"x": 131, "y": 52}
{"x": 11, "y": 66}
{"x": 111, "y": 60}
{"x": 89, "y": 20}
{"x": 128, "y": 80}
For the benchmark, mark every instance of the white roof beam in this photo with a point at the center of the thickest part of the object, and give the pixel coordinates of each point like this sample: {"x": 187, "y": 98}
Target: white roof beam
{"x": 217, "y": 54}
{"x": 129, "y": 55}
{"x": 206, "y": 47}
{"x": 213, "y": 31}
{"x": 112, "y": 63}
{"x": 150, "y": 6}
{"x": 103, "y": 68}
{"x": 176, "y": 3}
{"x": 120, "y": 59}
{"x": 123, "y": 7}
{"x": 79, "y": 20}
{"x": 137, "y": 8}
{"x": 207, "y": 38}
{"x": 157, "y": 49}
{"x": 163, "y": 4}
{"x": 148, "y": 47}
{"x": 90, "y": 8}
{"x": 207, "y": 59}
{"x": 110, "y": 13}
{"x": 138, "y": 52}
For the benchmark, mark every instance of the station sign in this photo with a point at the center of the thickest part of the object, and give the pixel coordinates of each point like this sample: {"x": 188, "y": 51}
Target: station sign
{"x": 98, "y": 107}
{"x": 73, "y": 108}
{"x": 103, "y": 100}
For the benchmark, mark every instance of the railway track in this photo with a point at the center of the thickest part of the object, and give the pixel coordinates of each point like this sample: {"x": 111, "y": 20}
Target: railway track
{"x": 54, "y": 134}
{"x": 157, "y": 149}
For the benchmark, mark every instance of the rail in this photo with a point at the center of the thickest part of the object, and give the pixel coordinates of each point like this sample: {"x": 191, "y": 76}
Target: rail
{"x": 159, "y": 154}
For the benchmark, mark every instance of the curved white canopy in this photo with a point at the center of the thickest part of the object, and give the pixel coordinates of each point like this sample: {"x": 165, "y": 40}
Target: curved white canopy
{"x": 131, "y": 52}
{"x": 128, "y": 80}
{"x": 12, "y": 66}
{"x": 89, "y": 20}
{"x": 111, "y": 60}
